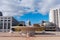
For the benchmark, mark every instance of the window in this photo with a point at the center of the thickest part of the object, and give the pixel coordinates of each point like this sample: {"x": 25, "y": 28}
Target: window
{"x": 5, "y": 25}
{"x": 5, "y": 21}
{"x": 9, "y": 18}
{"x": 8, "y": 25}
{"x": 1, "y": 25}
{"x": 1, "y": 20}
{"x": 1, "y": 17}
{"x": 5, "y": 17}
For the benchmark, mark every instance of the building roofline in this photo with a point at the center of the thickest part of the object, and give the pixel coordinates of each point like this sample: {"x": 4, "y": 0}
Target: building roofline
{"x": 54, "y": 8}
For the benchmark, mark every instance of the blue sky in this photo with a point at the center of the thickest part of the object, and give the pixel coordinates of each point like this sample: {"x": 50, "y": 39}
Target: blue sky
{"x": 33, "y": 17}
{"x": 34, "y": 10}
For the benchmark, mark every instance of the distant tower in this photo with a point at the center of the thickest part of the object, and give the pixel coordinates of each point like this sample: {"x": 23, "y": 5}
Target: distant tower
{"x": 1, "y": 13}
{"x": 28, "y": 23}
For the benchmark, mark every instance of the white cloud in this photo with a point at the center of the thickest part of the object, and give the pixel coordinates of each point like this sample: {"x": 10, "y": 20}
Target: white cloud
{"x": 46, "y": 5}
{"x": 18, "y": 7}
{"x": 15, "y": 7}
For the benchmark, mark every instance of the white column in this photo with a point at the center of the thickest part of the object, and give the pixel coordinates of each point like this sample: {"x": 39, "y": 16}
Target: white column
{"x": 59, "y": 18}
{"x": 10, "y": 23}
{"x": 3, "y": 24}
{"x": 7, "y": 25}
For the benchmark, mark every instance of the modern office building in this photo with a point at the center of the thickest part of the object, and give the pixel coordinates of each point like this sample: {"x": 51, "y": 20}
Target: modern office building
{"x": 6, "y": 23}
{"x": 54, "y": 16}
{"x": 14, "y": 22}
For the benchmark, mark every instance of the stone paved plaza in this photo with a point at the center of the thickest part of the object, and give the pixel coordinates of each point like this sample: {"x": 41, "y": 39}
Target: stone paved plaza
{"x": 39, "y": 36}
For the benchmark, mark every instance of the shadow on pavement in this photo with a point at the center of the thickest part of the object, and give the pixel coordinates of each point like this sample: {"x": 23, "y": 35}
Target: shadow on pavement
{"x": 45, "y": 34}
